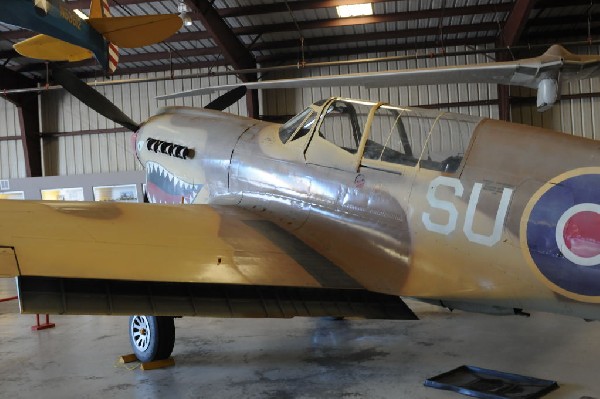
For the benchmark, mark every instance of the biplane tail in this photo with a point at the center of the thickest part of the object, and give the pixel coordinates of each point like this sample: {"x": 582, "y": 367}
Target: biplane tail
{"x": 132, "y": 31}
{"x": 99, "y": 9}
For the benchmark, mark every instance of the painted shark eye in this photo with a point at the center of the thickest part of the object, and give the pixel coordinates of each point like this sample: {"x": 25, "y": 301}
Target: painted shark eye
{"x": 140, "y": 146}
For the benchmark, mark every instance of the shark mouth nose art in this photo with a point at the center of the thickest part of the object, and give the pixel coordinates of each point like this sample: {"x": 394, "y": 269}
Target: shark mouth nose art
{"x": 165, "y": 188}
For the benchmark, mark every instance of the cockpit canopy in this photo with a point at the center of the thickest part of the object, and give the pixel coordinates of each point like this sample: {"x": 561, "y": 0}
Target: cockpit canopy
{"x": 385, "y": 133}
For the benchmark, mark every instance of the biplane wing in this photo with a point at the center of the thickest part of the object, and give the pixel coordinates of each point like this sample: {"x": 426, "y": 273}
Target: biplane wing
{"x": 51, "y": 49}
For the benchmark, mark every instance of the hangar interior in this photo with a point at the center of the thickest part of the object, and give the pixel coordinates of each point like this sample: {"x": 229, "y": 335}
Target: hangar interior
{"x": 53, "y": 137}
{"x": 72, "y": 139}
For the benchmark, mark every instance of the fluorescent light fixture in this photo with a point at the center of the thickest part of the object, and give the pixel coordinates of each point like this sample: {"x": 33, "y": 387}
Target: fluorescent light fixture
{"x": 187, "y": 20}
{"x": 355, "y": 10}
{"x": 184, "y": 13}
{"x": 80, "y": 14}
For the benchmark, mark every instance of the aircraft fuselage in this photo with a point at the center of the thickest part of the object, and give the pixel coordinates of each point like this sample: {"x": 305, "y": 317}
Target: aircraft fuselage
{"x": 464, "y": 212}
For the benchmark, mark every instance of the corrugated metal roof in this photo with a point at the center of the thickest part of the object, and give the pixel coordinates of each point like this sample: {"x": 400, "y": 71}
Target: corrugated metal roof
{"x": 268, "y": 28}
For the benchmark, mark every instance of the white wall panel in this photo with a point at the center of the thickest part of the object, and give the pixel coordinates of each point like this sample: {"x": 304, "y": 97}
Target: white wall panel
{"x": 12, "y": 159}
{"x": 573, "y": 116}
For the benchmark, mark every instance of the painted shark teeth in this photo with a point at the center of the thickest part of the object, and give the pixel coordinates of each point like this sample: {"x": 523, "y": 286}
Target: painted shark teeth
{"x": 166, "y": 188}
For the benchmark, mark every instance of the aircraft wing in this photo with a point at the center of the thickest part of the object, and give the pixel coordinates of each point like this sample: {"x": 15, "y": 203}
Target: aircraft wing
{"x": 185, "y": 260}
{"x": 554, "y": 63}
{"x": 49, "y": 48}
{"x": 136, "y": 31}
{"x": 156, "y": 243}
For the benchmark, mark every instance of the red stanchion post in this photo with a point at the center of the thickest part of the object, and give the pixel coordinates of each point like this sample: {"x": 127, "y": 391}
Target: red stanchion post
{"x": 44, "y": 326}
{"x": 37, "y": 326}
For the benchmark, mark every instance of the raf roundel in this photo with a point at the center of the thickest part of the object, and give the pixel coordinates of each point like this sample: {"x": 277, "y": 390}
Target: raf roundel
{"x": 560, "y": 234}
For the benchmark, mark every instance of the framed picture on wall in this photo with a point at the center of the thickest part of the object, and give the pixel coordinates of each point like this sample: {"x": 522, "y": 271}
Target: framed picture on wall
{"x": 13, "y": 195}
{"x": 63, "y": 194}
{"x": 122, "y": 193}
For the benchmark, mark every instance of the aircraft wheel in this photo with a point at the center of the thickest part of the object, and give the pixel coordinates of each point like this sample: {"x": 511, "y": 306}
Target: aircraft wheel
{"x": 151, "y": 337}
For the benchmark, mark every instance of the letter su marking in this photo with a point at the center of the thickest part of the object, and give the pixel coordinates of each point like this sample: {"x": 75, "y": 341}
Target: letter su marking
{"x": 450, "y": 208}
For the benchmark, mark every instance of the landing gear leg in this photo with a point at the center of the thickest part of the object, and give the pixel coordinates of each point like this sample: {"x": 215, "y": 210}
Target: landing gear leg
{"x": 152, "y": 337}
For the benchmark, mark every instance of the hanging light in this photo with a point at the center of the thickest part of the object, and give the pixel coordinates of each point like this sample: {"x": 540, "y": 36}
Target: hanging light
{"x": 184, "y": 13}
{"x": 354, "y": 10}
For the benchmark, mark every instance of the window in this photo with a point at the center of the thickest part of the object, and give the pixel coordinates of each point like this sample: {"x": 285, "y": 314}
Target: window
{"x": 389, "y": 141}
{"x": 308, "y": 124}
{"x": 302, "y": 119}
{"x": 448, "y": 143}
{"x": 403, "y": 136}
{"x": 343, "y": 124}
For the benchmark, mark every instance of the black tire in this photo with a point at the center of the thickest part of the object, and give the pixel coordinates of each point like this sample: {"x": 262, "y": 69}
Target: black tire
{"x": 151, "y": 337}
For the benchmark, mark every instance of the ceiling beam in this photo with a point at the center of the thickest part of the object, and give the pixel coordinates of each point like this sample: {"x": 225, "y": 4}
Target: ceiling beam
{"x": 292, "y": 57}
{"x": 374, "y": 19}
{"x": 486, "y": 27}
{"x": 541, "y": 4}
{"x": 394, "y": 17}
{"x": 247, "y": 10}
{"x": 312, "y": 42}
{"x": 7, "y": 54}
{"x": 563, "y": 35}
{"x": 566, "y": 19}
{"x": 335, "y": 22}
{"x": 18, "y": 34}
{"x": 302, "y": 5}
{"x": 85, "y": 4}
{"x": 322, "y": 24}
{"x": 232, "y": 48}
{"x": 180, "y": 55}
{"x": 515, "y": 23}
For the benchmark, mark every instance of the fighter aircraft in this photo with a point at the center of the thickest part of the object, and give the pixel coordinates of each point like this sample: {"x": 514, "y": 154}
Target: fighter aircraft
{"x": 67, "y": 37}
{"x": 341, "y": 211}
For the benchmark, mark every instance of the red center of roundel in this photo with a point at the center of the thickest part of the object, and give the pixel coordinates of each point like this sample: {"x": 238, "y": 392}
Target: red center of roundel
{"x": 582, "y": 234}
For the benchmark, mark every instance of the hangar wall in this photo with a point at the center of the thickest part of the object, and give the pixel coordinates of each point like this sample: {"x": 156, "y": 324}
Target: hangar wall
{"x": 12, "y": 159}
{"x": 69, "y": 150}
{"x": 578, "y": 116}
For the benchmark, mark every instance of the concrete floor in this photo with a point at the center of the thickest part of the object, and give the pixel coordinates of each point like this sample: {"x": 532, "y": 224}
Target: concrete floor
{"x": 297, "y": 358}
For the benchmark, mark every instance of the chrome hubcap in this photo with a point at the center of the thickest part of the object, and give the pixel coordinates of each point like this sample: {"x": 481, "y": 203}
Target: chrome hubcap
{"x": 140, "y": 331}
